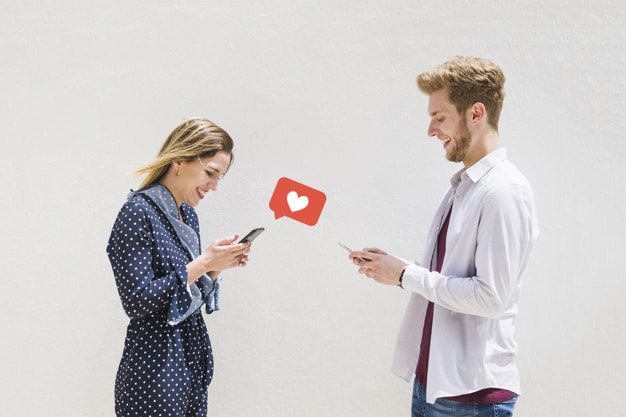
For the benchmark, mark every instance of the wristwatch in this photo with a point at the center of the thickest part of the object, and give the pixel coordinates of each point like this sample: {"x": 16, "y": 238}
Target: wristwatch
{"x": 400, "y": 279}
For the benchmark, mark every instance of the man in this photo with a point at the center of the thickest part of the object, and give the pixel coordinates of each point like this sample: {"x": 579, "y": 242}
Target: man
{"x": 457, "y": 336}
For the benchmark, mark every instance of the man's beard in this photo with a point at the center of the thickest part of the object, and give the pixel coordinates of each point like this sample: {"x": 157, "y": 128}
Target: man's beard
{"x": 461, "y": 143}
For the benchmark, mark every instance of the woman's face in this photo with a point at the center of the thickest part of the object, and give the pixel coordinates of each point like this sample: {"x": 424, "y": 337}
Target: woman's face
{"x": 197, "y": 177}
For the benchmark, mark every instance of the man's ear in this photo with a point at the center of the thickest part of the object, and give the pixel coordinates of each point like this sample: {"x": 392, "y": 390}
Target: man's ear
{"x": 477, "y": 113}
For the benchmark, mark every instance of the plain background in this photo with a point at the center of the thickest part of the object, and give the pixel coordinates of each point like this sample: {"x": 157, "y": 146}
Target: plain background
{"x": 322, "y": 92}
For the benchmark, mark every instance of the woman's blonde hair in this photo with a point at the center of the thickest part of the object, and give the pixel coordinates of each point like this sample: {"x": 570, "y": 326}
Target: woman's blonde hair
{"x": 193, "y": 138}
{"x": 469, "y": 80}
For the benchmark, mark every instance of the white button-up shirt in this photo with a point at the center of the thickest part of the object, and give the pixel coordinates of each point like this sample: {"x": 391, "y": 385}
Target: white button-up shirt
{"x": 490, "y": 235}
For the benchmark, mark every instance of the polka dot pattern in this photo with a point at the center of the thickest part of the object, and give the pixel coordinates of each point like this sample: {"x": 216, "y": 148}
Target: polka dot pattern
{"x": 165, "y": 369}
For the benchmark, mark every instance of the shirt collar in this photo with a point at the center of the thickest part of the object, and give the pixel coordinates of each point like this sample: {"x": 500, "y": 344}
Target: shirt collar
{"x": 480, "y": 168}
{"x": 161, "y": 196}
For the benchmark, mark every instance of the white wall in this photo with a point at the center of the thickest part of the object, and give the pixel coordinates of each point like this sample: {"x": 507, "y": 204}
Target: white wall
{"x": 323, "y": 92}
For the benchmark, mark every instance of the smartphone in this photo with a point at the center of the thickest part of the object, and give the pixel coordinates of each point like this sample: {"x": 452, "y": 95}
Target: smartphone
{"x": 252, "y": 235}
{"x": 350, "y": 250}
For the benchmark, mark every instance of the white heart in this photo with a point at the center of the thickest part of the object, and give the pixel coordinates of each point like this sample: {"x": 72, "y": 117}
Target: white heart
{"x": 296, "y": 203}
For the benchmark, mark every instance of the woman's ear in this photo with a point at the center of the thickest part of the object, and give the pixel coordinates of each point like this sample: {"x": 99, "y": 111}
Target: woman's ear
{"x": 177, "y": 166}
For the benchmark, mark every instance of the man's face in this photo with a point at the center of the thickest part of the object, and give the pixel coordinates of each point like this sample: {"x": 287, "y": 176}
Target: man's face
{"x": 448, "y": 126}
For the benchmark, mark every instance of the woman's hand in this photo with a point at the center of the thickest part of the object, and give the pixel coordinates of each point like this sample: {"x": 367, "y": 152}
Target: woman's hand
{"x": 222, "y": 254}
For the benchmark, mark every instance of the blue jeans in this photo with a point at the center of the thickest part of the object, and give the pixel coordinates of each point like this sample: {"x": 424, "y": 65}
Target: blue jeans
{"x": 447, "y": 408}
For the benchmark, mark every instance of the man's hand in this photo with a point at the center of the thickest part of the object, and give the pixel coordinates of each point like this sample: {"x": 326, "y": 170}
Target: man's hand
{"x": 378, "y": 265}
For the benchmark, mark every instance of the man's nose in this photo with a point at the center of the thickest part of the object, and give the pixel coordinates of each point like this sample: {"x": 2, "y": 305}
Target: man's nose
{"x": 432, "y": 129}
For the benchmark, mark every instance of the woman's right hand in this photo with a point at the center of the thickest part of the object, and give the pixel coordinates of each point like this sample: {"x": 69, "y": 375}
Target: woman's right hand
{"x": 222, "y": 254}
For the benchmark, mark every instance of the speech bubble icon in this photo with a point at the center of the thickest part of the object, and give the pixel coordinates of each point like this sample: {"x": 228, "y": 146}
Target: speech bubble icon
{"x": 297, "y": 201}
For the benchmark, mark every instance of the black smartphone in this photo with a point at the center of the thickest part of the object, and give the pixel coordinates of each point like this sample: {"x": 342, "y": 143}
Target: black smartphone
{"x": 252, "y": 235}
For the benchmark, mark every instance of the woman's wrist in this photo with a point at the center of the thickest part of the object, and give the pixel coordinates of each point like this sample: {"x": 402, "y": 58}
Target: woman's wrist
{"x": 195, "y": 269}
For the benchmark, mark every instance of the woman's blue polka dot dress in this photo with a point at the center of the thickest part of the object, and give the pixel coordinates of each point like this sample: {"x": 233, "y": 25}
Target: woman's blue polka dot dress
{"x": 167, "y": 363}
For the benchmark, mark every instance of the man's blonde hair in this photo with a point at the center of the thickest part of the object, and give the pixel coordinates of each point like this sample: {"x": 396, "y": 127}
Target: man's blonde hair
{"x": 469, "y": 80}
{"x": 193, "y": 138}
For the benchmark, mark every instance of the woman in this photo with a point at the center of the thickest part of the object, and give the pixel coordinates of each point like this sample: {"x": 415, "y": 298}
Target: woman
{"x": 163, "y": 277}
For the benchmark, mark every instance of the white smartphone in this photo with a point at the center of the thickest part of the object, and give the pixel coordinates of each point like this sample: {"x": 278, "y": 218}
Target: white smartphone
{"x": 350, "y": 250}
